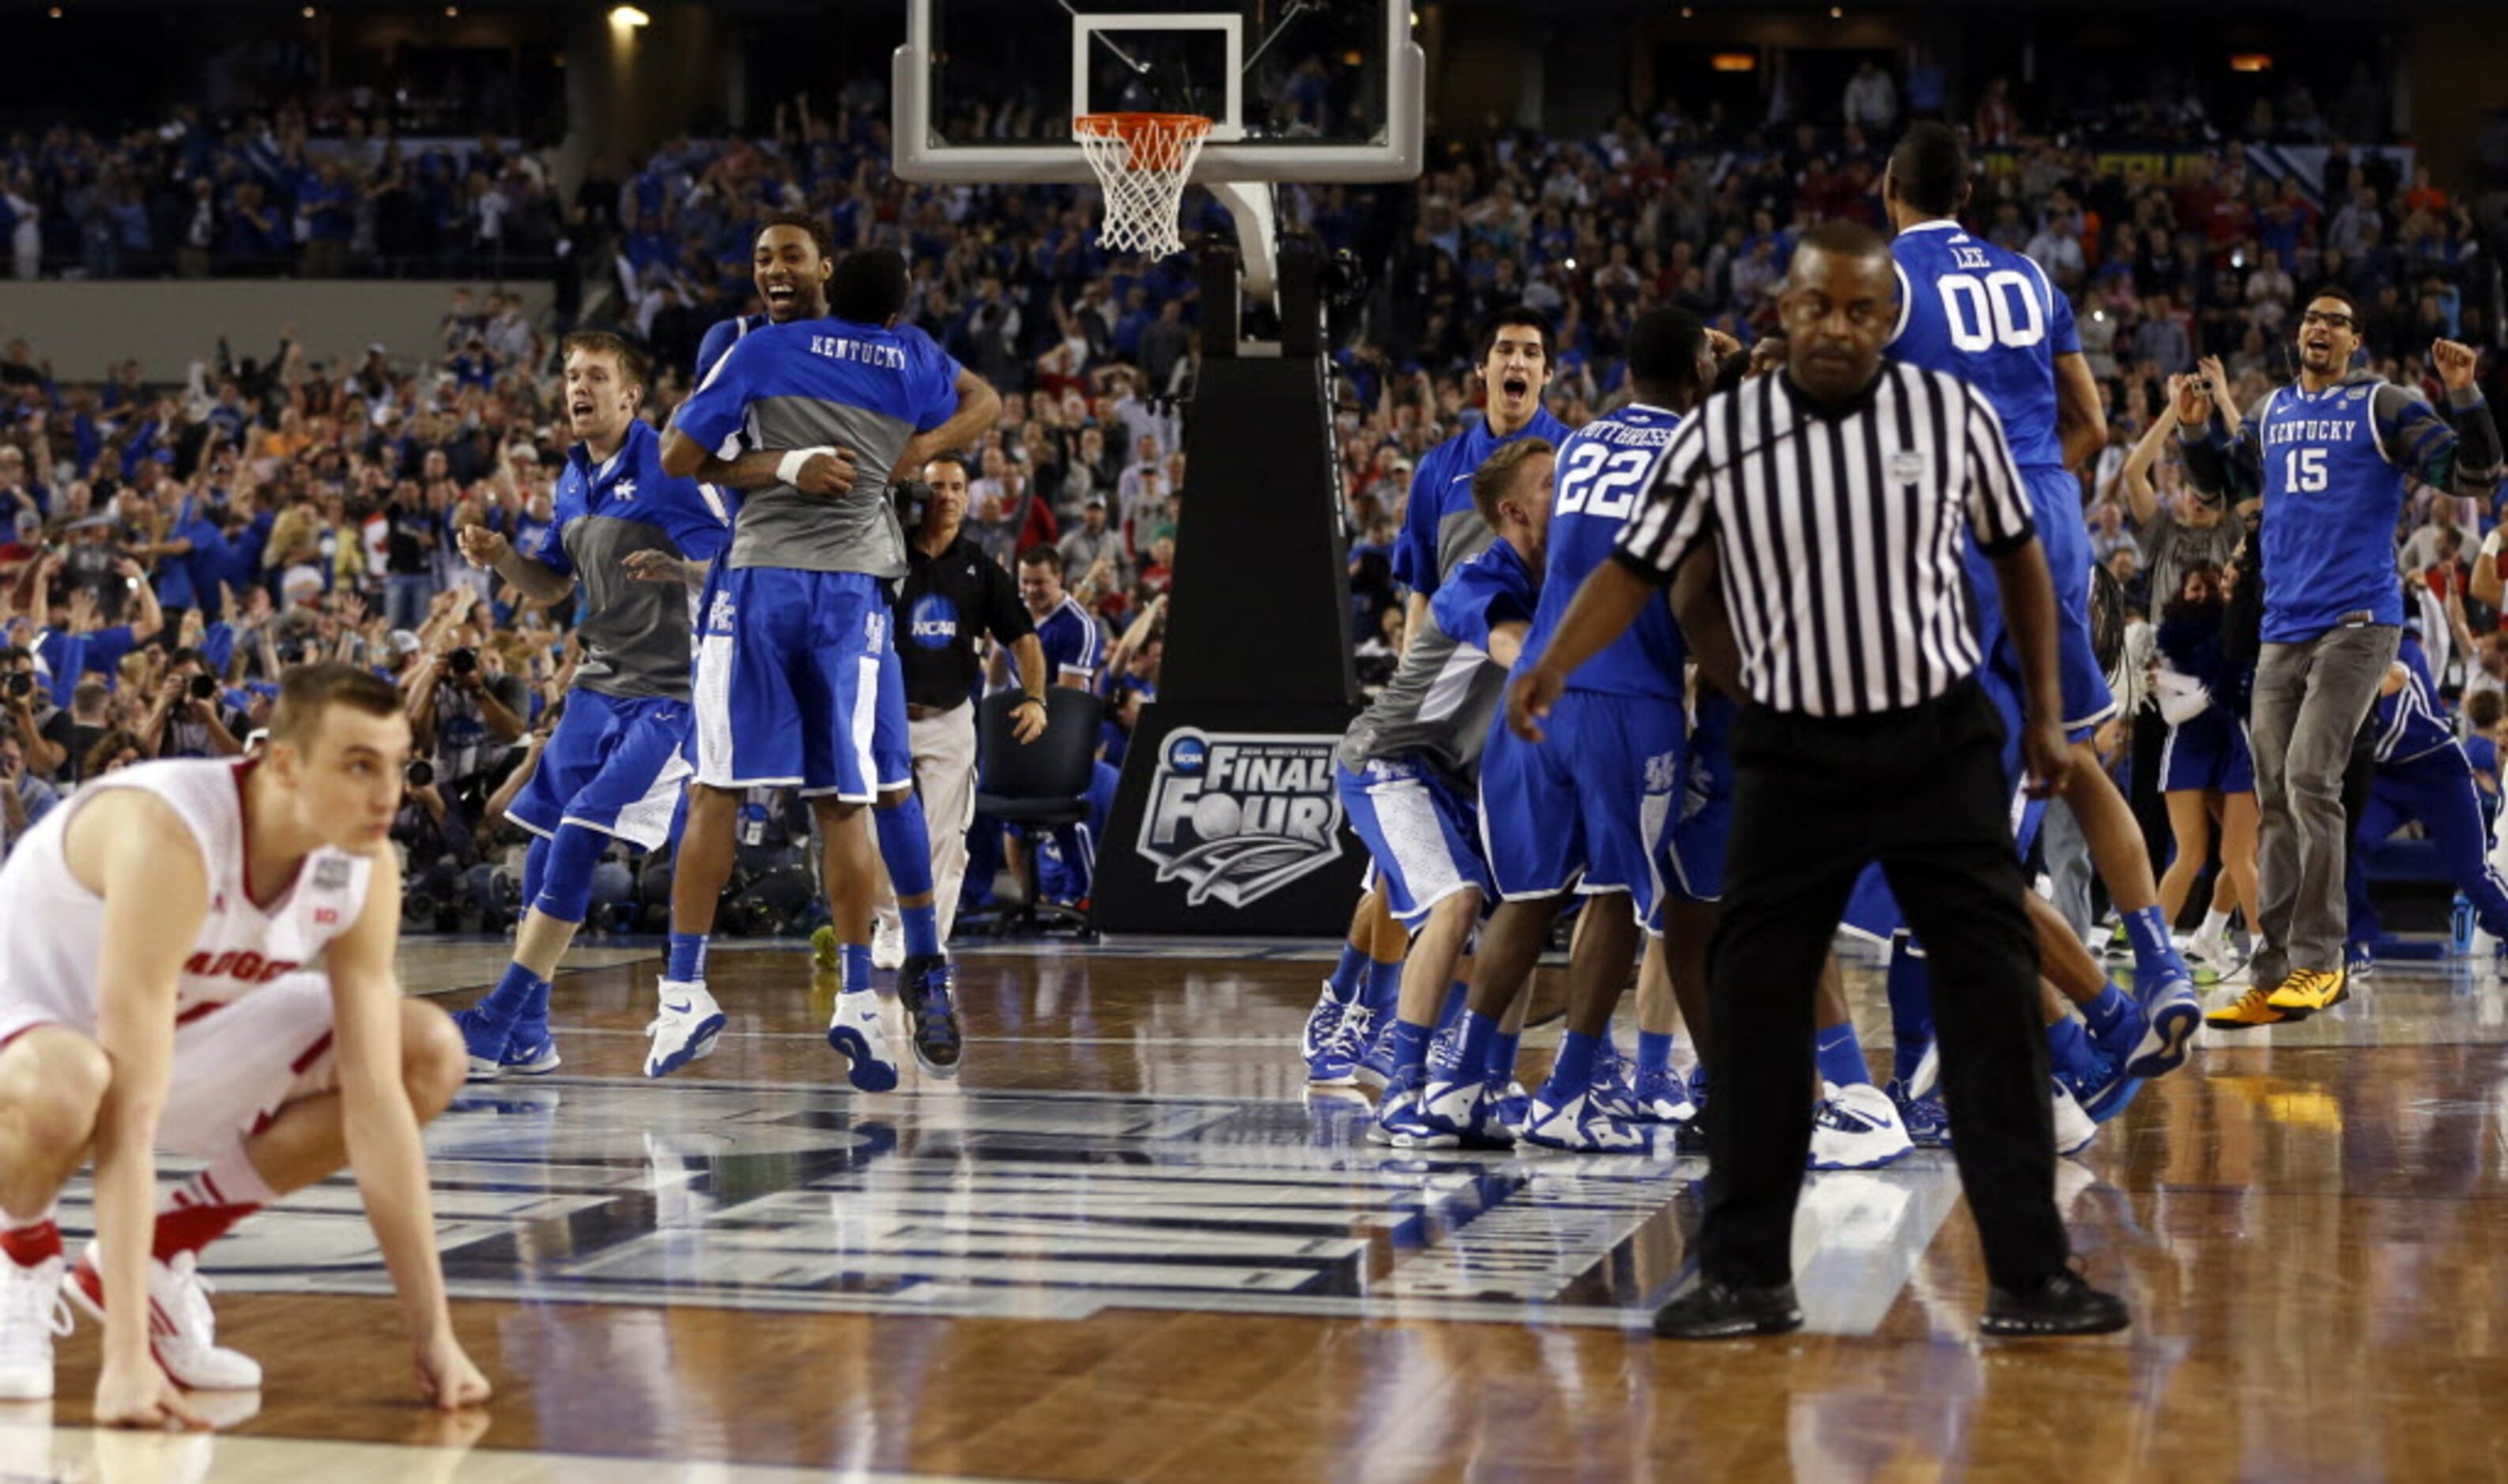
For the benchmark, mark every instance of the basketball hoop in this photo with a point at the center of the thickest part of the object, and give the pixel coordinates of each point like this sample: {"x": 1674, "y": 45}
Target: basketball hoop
{"x": 1142, "y": 161}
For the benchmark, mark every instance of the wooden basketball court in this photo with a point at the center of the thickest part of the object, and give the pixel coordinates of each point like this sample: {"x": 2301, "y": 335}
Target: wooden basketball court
{"x": 1128, "y": 1244}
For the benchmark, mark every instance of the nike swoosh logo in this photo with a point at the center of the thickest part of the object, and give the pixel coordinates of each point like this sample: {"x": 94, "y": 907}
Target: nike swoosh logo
{"x": 681, "y": 1009}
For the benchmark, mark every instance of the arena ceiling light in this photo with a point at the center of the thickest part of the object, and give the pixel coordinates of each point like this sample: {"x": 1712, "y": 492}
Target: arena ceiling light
{"x": 627, "y": 17}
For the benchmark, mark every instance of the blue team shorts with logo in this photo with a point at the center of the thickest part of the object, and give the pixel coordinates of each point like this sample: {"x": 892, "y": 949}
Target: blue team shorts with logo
{"x": 1590, "y": 808}
{"x": 1420, "y": 831}
{"x": 2207, "y": 753}
{"x": 2055, "y": 501}
{"x": 1694, "y": 859}
{"x": 614, "y": 766}
{"x": 798, "y": 685}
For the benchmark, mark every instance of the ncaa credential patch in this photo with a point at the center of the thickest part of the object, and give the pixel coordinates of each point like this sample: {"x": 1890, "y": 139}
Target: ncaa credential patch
{"x": 330, "y": 875}
{"x": 1238, "y": 817}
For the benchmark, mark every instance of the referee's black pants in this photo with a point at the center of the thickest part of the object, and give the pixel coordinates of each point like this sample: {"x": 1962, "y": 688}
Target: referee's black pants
{"x": 1921, "y": 790}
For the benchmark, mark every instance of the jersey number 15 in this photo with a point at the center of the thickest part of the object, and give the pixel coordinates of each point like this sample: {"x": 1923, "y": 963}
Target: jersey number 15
{"x": 1600, "y": 482}
{"x": 2000, "y": 308}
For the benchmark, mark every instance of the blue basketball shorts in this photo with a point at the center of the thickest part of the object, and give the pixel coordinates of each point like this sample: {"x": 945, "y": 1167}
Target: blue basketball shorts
{"x": 798, "y": 685}
{"x": 1590, "y": 808}
{"x": 2055, "y": 503}
{"x": 1420, "y": 831}
{"x": 615, "y": 766}
{"x": 1695, "y": 860}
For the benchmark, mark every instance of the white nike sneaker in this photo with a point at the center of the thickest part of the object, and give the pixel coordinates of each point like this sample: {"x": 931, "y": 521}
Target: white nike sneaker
{"x": 887, "y": 942}
{"x": 1857, "y": 1128}
{"x": 32, "y": 1312}
{"x": 181, "y": 1330}
{"x": 683, "y": 1029}
{"x": 855, "y": 1032}
{"x": 2074, "y": 1126}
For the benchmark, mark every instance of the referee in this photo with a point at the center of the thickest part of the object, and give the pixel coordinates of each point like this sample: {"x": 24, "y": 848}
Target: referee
{"x": 1832, "y": 502}
{"x": 955, "y": 595}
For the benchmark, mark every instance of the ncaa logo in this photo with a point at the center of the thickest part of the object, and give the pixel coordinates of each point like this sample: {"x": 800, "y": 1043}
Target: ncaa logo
{"x": 1236, "y": 817}
{"x": 932, "y": 622}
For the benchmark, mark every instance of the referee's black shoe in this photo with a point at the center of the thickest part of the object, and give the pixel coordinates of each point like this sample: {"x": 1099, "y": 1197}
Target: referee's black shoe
{"x": 1712, "y": 1309}
{"x": 2061, "y": 1304}
{"x": 924, "y": 986}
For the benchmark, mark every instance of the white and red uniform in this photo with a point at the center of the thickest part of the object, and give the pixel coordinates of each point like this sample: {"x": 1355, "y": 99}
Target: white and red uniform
{"x": 252, "y": 1008}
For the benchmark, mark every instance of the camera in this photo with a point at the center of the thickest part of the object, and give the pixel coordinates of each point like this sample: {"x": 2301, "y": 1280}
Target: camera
{"x": 462, "y": 662}
{"x": 203, "y": 687}
{"x": 2203, "y": 384}
{"x": 421, "y": 772}
{"x": 20, "y": 686}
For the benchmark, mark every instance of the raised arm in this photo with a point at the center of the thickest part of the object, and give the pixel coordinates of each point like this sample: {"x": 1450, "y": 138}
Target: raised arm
{"x": 979, "y": 407}
{"x": 2223, "y": 463}
{"x": 489, "y": 550}
{"x": 2142, "y": 499}
{"x": 384, "y": 1150}
{"x": 2455, "y": 451}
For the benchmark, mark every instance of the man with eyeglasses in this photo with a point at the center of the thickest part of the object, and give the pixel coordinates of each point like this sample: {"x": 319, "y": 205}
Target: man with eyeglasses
{"x": 2332, "y": 456}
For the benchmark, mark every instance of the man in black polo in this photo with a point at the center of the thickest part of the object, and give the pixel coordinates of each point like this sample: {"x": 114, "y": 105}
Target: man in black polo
{"x": 953, "y": 595}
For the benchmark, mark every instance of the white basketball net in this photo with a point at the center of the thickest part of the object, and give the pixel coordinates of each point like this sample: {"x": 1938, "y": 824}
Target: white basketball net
{"x": 1142, "y": 162}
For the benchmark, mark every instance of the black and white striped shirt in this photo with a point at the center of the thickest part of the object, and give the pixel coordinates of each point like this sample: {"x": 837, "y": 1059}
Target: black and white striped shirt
{"x": 1841, "y": 533}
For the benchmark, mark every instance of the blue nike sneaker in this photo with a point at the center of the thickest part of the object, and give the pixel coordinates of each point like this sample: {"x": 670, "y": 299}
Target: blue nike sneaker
{"x": 925, "y": 988}
{"x": 1513, "y": 1106}
{"x": 1582, "y": 1126}
{"x": 1329, "y": 1063}
{"x": 1369, "y": 1046}
{"x": 1466, "y": 1109}
{"x": 1928, "y": 1123}
{"x": 2106, "y": 1090}
{"x": 530, "y": 1050}
{"x": 1397, "y": 1119}
{"x": 484, "y": 1035}
{"x": 1661, "y": 1097}
{"x": 2173, "y": 1013}
{"x": 2359, "y": 961}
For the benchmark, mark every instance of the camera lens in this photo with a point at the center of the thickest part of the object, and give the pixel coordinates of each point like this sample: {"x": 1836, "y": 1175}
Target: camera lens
{"x": 461, "y": 662}
{"x": 22, "y": 686}
{"x": 203, "y": 687}
{"x": 421, "y": 772}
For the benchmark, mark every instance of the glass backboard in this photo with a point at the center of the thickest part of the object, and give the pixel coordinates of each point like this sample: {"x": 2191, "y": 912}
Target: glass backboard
{"x": 1297, "y": 90}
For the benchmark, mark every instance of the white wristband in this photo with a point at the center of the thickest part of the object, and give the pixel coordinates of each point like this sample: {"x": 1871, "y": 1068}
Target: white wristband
{"x": 789, "y": 468}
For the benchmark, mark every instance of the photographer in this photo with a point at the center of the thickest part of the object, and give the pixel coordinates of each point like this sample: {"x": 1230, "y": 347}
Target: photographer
{"x": 28, "y": 709}
{"x": 187, "y": 718}
{"x": 464, "y": 711}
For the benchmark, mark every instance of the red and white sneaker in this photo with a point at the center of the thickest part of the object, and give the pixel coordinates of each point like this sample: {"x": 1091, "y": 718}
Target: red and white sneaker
{"x": 32, "y": 1314}
{"x": 180, "y": 1327}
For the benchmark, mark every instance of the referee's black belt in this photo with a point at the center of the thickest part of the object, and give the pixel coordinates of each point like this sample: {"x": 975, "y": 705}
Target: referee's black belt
{"x": 918, "y": 713}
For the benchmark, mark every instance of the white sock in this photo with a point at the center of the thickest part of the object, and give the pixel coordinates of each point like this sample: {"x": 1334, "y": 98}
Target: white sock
{"x": 2215, "y": 923}
{"x": 229, "y": 1179}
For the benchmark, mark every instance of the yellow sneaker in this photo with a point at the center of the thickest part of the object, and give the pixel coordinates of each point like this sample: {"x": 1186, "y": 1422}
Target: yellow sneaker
{"x": 2307, "y": 990}
{"x": 2246, "y": 1013}
{"x": 823, "y": 950}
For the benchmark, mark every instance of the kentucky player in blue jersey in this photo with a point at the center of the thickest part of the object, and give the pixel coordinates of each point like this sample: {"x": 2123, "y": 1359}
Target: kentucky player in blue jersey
{"x": 1591, "y": 808}
{"x": 613, "y": 769}
{"x": 1990, "y": 317}
{"x": 1439, "y": 526}
{"x": 794, "y": 684}
{"x": 2331, "y": 454}
{"x": 2423, "y": 776}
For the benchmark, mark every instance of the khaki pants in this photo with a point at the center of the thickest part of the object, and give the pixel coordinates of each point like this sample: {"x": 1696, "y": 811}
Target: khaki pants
{"x": 944, "y": 776}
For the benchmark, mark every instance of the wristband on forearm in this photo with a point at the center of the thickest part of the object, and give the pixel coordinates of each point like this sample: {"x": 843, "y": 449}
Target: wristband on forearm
{"x": 789, "y": 467}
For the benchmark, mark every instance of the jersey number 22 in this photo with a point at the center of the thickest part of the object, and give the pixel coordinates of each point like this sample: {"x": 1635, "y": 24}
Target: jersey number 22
{"x": 1600, "y": 482}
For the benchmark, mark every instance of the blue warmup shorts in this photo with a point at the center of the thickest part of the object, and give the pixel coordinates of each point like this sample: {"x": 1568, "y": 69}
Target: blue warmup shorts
{"x": 798, "y": 685}
{"x": 2207, "y": 753}
{"x": 1590, "y": 808}
{"x": 1420, "y": 831}
{"x": 1695, "y": 860}
{"x": 617, "y": 767}
{"x": 2055, "y": 503}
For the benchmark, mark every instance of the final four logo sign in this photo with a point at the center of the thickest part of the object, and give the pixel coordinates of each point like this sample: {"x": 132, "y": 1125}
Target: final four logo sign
{"x": 1237, "y": 817}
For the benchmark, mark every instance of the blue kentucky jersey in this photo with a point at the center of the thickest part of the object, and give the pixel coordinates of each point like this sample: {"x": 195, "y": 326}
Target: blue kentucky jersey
{"x": 1603, "y": 471}
{"x": 815, "y": 383}
{"x": 1495, "y": 587}
{"x": 2331, "y": 501}
{"x": 1988, "y": 315}
{"x": 632, "y": 486}
{"x": 1071, "y": 639}
{"x": 1439, "y": 525}
{"x": 718, "y": 341}
{"x": 2410, "y": 722}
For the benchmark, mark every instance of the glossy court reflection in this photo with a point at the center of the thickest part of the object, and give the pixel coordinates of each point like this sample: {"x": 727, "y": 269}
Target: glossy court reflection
{"x": 1129, "y": 1245}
